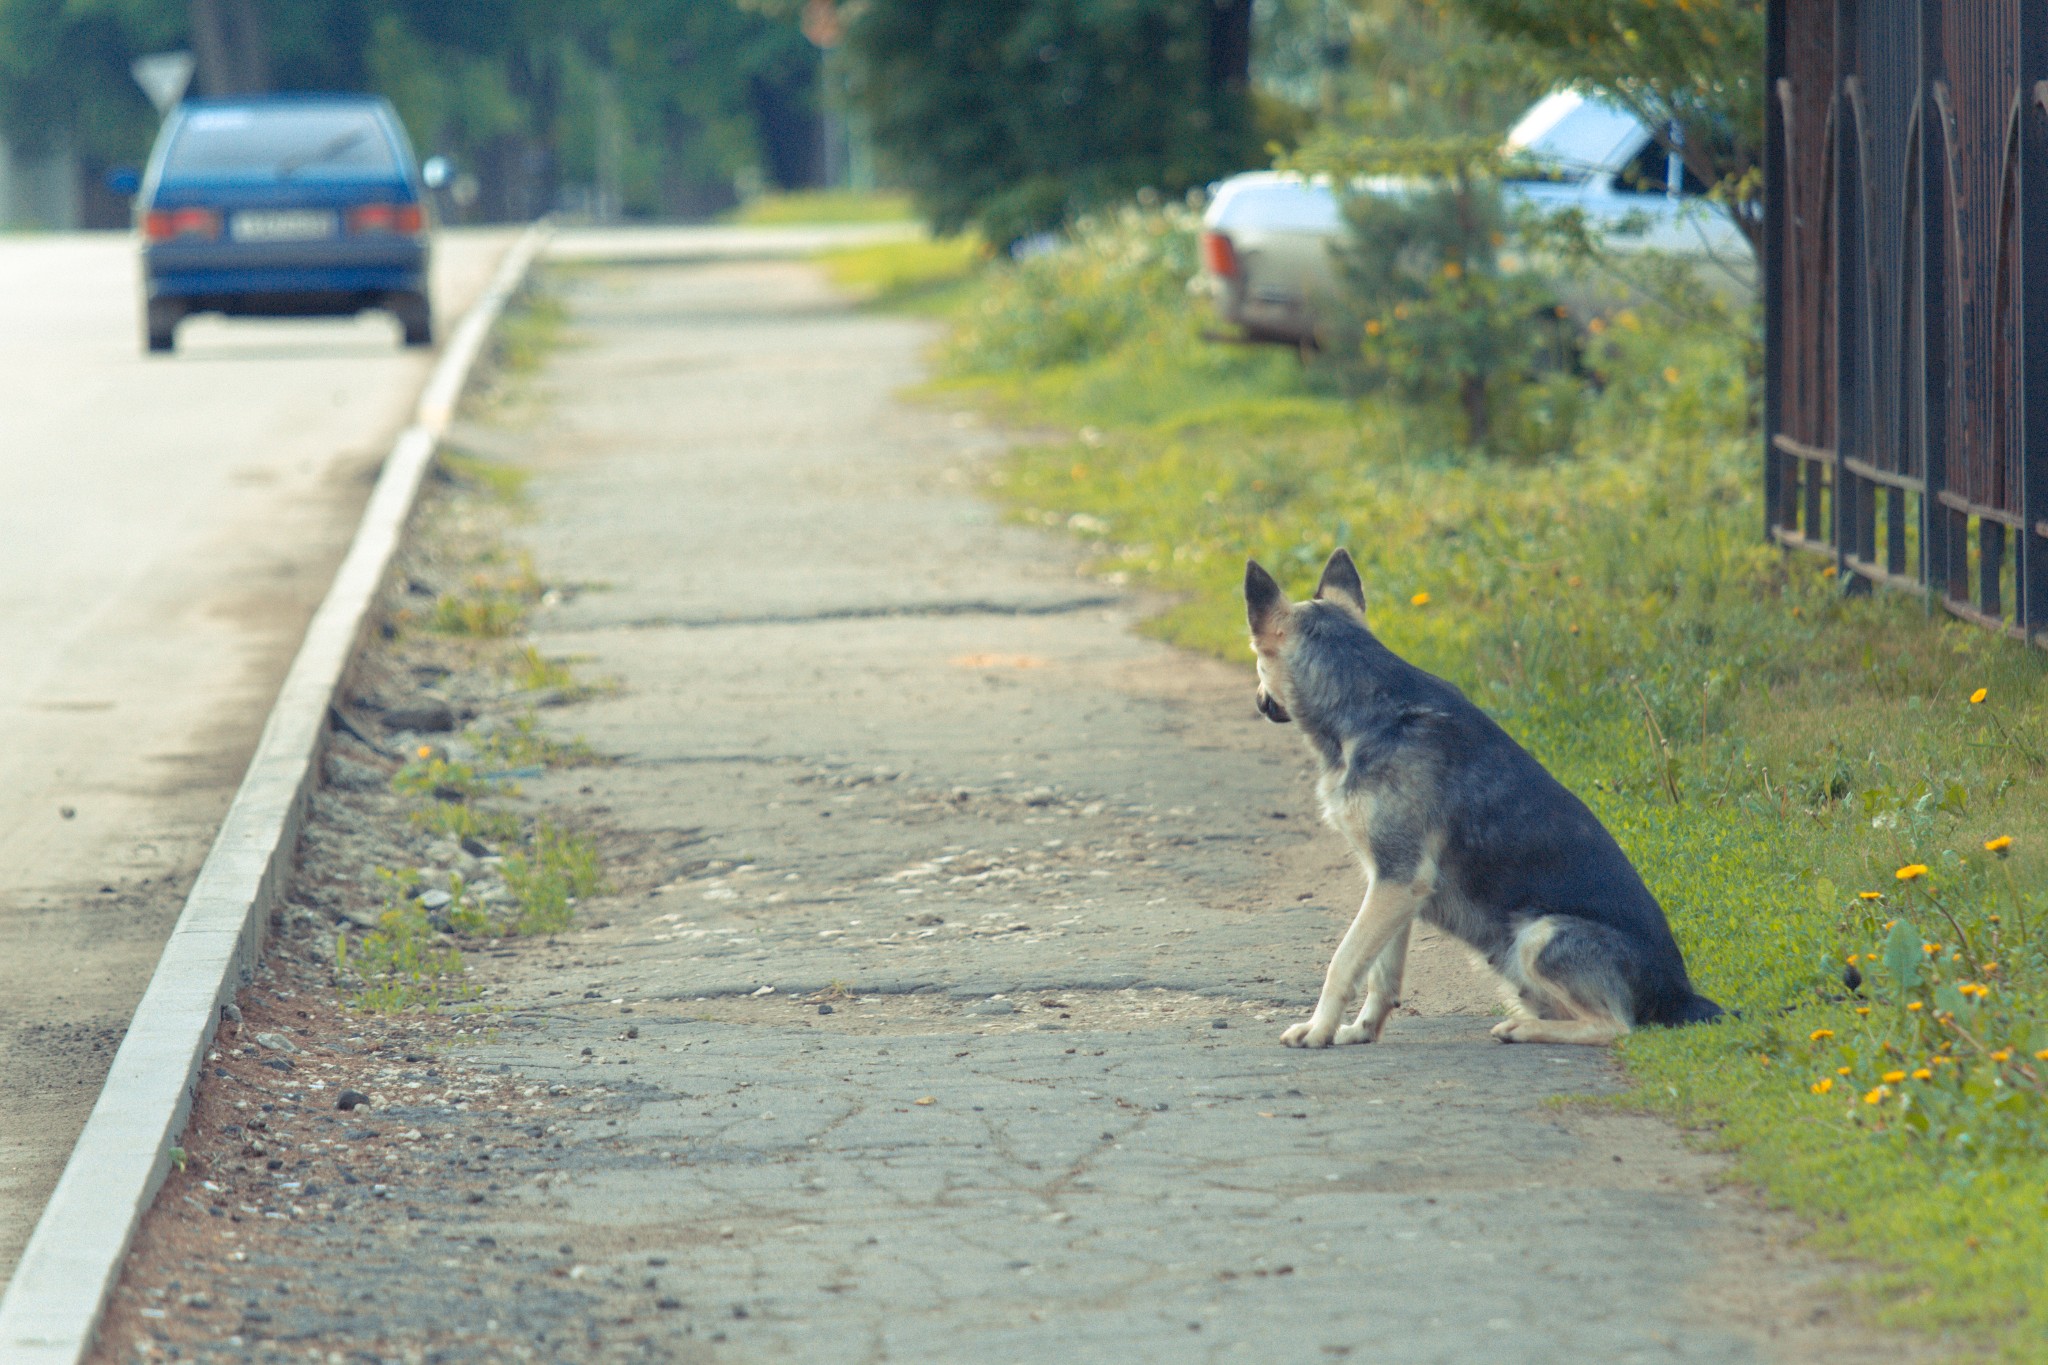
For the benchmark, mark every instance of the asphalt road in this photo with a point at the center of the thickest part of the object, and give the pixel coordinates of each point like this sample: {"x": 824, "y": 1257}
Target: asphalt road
{"x": 167, "y": 525}
{"x": 933, "y": 1010}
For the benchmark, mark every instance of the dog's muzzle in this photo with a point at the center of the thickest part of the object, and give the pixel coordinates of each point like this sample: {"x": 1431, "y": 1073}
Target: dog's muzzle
{"x": 1271, "y": 709}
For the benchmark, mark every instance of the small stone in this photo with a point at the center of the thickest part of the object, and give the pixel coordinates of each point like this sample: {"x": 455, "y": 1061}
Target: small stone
{"x": 231, "y": 1013}
{"x": 668, "y": 1305}
{"x": 345, "y": 774}
{"x": 992, "y": 1005}
{"x": 68, "y": 812}
{"x": 477, "y": 848}
{"x": 350, "y": 1099}
{"x": 276, "y": 1042}
{"x": 426, "y": 716}
{"x": 1219, "y": 1023}
{"x": 633, "y": 1032}
{"x": 765, "y": 990}
{"x": 824, "y": 1009}
{"x": 277, "y": 1064}
{"x": 435, "y": 900}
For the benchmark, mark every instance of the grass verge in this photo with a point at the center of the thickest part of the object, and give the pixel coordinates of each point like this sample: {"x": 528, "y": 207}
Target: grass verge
{"x": 805, "y": 208}
{"x": 1777, "y": 757}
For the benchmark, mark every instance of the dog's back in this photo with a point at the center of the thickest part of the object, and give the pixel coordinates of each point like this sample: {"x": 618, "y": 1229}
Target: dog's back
{"x": 1430, "y": 790}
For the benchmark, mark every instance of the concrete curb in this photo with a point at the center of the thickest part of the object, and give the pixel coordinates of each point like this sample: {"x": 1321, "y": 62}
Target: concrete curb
{"x": 73, "y": 1259}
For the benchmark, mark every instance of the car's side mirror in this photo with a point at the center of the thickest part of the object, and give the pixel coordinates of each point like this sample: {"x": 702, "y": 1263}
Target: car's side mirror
{"x": 124, "y": 180}
{"x": 436, "y": 172}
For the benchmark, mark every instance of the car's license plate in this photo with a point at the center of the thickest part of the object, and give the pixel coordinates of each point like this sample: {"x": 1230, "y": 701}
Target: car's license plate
{"x": 281, "y": 225}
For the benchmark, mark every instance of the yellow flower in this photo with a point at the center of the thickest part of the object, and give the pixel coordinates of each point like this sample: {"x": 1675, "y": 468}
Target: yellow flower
{"x": 1373, "y": 327}
{"x": 1420, "y": 599}
{"x": 1977, "y": 697}
{"x": 1401, "y": 310}
{"x": 1911, "y": 872}
{"x": 1452, "y": 270}
{"x": 1844, "y": 1070}
{"x": 1989, "y": 968}
{"x": 1870, "y": 895}
{"x": 1823, "y": 1085}
{"x": 1819, "y": 1034}
{"x": 1922, "y": 1074}
{"x": 1596, "y": 326}
{"x": 2003, "y": 1054}
{"x": 2042, "y": 1055}
{"x": 1930, "y": 948}
{"x": 424, "y": 751}
{"x": 1671, "y": 374}
{"x": 1913, "y": 1006}
{"x": 1893, "y": 1077}
{"x": 1998, "y": 845}
{"x": 1876, "y": 1096}
{"x": 1829, "y": 571}
{"x": 1863, "y": 1009}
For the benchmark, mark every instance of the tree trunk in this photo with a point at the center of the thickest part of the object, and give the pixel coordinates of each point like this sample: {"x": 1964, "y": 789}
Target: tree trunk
{"x": 1230, "y": 46}
{"x": 231, "y": 46}
{"x": 1472, "y": 398}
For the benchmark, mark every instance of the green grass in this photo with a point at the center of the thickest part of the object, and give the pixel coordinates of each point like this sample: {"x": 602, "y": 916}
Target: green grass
{"x": 928, "y": 276}
{"x": 806, "y": 208}
{"x": 1764, "y": 747}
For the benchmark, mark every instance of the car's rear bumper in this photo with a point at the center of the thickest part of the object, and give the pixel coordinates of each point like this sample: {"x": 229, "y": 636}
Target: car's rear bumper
{"x": 326, "y": 274}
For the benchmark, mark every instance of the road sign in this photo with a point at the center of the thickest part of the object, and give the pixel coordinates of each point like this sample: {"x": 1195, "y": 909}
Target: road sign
{"x": 163, "y": 77}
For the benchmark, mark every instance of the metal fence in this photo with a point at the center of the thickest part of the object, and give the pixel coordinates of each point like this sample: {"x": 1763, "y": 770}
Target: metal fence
{"x": 1906, "y": 297}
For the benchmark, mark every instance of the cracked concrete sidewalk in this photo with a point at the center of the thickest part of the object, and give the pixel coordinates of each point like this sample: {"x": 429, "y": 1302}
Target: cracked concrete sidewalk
{"x": 935, "y": 1015}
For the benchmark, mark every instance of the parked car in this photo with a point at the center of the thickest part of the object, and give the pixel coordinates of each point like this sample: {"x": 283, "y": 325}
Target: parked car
{"x": 1267, "y": 235}
{"x": 283, "y": 206}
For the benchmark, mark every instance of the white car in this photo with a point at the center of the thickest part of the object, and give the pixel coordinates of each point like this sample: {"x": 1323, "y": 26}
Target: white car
{"x": 1267, "y": 236}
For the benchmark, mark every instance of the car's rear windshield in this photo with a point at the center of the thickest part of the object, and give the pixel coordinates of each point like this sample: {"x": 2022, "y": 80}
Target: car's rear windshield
{"x": 281, "y": 144}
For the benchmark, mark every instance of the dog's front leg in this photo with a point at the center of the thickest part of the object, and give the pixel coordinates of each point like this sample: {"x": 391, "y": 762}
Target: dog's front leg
{"x": 1382, "y": 991}
{"x": 1389, "y": 909}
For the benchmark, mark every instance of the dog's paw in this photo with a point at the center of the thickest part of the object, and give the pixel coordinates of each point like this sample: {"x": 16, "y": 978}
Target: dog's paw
{"x": 1510, "y": 1030}
{"x": 1310, "y": 1032}
{"x": 1348, "y": 1034}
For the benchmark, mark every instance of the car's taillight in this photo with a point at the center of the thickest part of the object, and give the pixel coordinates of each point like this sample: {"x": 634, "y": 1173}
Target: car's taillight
{"x": 163, "y": 225}
{"x": 402, "y": 219}
{"x": 1219, "y": 257}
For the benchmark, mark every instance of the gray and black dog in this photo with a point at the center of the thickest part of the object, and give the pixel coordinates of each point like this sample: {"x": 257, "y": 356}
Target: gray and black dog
{"x": 1455, "y": 822}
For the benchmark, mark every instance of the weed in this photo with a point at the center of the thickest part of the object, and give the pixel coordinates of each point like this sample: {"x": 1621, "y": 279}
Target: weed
{"x": 402, "y": 964}
{"x": 522, "y": 744}
{"x": 547, "y": 879}
{"x": 495, "y": 479}
{"x": 533, "y": 672}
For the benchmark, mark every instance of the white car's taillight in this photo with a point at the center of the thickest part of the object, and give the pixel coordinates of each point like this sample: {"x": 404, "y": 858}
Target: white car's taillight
{"x": 1219, "y": 257}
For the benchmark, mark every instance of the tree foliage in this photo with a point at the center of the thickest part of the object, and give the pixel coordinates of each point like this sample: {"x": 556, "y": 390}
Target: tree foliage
{"x": 670, "y": 99}
{"x": 1691, "y": 70}
{"x": 1014, "y": 116}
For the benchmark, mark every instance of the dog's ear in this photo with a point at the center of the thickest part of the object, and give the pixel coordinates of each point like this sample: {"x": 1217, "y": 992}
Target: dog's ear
{"x": 1340, "y": 582}
{"x": 1265, "y": 606}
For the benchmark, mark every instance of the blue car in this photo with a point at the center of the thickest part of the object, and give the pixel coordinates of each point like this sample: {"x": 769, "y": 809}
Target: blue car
{"x": 283, "y": 206}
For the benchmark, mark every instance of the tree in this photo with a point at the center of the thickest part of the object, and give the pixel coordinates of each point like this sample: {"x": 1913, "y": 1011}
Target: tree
{"x": 1014, "y": 116}
{"x": 1691, "y": 70}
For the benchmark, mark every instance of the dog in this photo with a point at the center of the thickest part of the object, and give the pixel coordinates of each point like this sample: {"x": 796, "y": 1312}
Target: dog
{"x": 1455, "y": 822}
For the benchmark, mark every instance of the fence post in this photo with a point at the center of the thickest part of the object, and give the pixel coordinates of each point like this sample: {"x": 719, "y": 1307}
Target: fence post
{"x": 2030, "y": 545}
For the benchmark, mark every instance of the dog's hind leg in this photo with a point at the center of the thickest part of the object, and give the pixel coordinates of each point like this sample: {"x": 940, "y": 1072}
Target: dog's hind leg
{"x": 1570, "y": 973}
{"x": 1389, "y": 908}
{"x": 1382, "y": 991}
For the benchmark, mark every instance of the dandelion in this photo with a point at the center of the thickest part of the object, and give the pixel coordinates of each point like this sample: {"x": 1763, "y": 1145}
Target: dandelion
{"x": 1844, "y": 1070}
{"x": 1823, "y": 1085}
{"x": 1863, "y": 1009}
{"x": 1913, "y": 1007}
{"x": 1989, "y": 968}
{"x": 1420, "y": 599}
{"x": 424, "y": 751}
{"x": 1922, "y": 1074}
{"x": 1930, "y": 948}
{"x": 2042, "y": 1055}
{"x": 1876, "y": 1096}
{"x": 2002, "y": 1055}
{"x": 1820, "y": 1035}
{"x": 1373, "y": 327}
{"x": 1671, "y": 374}
{"x": 1870, "y": 895}
{"x": 1911, "y": 872}
{"x": 1998, "y": 845}
{"x": 1828, "y": 572}
{"x": 1452, "y": 270}
{"x": 1977, "y": 697}
{"x": 1892, "y": 1077}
